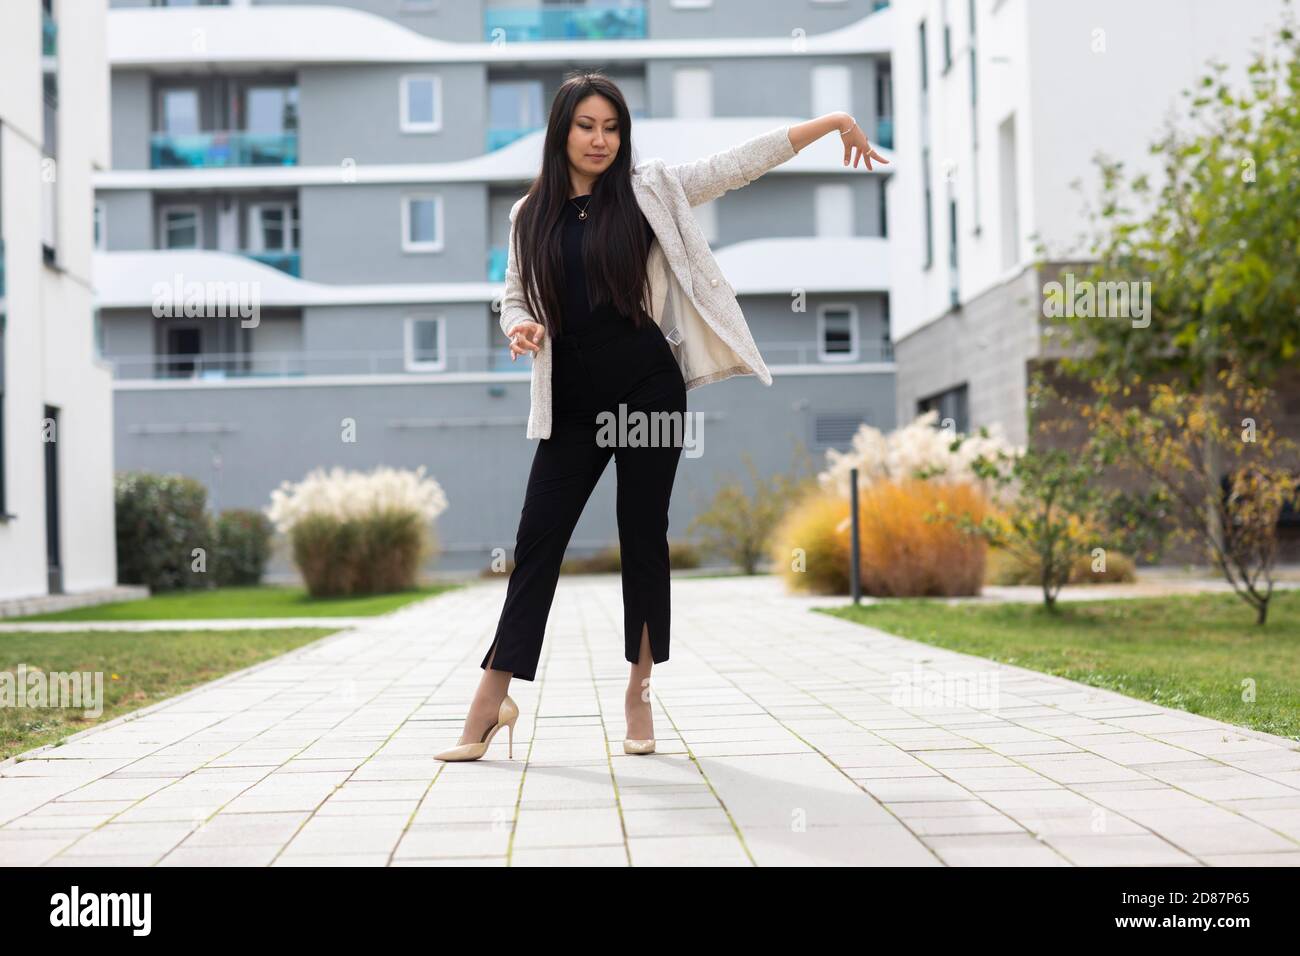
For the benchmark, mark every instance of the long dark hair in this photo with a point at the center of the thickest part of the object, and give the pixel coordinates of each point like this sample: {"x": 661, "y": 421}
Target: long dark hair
{"x": 614, "y": 247}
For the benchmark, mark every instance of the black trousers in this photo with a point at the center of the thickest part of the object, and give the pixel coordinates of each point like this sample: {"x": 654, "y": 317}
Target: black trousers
{"x": 593, "y": 374}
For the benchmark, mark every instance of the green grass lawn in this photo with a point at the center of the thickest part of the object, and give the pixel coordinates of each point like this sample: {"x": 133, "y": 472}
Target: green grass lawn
{"x": 139, "y": 668}
{"x": 1190, "y": 653}
{"x": 259, "y": 601}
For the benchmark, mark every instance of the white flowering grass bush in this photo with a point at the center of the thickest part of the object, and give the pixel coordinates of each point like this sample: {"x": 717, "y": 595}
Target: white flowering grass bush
{"x": 355, "y": 532}
{"x": 917, "y": 450}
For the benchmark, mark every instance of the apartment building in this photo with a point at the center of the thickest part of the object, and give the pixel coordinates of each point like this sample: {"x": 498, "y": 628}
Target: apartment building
{"x": 1003, "y": 105}
{"x": 56, "y": 397}
{"x": 352, "y": 165}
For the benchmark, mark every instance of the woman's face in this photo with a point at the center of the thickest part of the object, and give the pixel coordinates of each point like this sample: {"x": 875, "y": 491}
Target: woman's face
{"x": 593, "y": 135}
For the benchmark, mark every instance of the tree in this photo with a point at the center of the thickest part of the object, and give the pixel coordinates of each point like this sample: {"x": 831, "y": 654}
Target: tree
{"x": 1172, "y": 445}
{"x": 1218, "y": 240}
{"x": 1047, "y": 496}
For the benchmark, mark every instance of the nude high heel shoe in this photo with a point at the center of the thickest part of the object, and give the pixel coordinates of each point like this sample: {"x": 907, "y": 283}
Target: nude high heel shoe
{"x": 506, "y": 717}
{"x": 631, "y": 746}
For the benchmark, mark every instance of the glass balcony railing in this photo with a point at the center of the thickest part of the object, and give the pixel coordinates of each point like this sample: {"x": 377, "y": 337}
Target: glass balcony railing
{"x": 205, "y": 150}
{"x": 49, "y": 35}
{"x": 497, "y": 264}
{"x": 885, "y": 132}
{"x": 595, "y": 22}
{"x": 498, "y": 136}
{"x": 285, "y": 261}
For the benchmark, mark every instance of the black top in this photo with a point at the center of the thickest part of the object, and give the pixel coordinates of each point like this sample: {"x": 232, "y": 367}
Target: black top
{"x": 579, "y": 317}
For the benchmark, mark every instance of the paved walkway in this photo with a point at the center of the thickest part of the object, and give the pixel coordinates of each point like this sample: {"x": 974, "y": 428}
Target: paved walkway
{"x": 784, "y": 738}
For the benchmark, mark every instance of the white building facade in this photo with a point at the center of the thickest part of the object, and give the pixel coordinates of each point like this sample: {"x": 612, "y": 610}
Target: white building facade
{"x": 1001, "y": 106}
{"x": 56, "y": 399}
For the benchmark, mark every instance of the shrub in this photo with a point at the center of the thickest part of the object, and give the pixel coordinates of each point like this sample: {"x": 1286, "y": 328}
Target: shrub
{"x": 358, "y": 533}
{"x": 160, "y": 521}
{"x": 243, "y": 545}
{"x": 738, "y": 524}
{"x": 1006, "y": 568}
{"x": 811, "y": 549}
{"x": 908, "y": 549}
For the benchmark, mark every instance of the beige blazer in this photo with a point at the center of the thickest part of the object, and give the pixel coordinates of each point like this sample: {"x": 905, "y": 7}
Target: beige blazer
{"x": 692, "y": 301}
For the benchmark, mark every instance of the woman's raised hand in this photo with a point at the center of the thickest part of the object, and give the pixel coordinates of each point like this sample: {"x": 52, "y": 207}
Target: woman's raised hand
{"x": 856, "y": 139}
{"x": 525, "y": 337}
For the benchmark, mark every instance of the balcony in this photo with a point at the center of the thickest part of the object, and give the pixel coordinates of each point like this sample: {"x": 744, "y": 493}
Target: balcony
{"x": 287, "y": 261}
{"x": 803, "y": 352}
{"x": 884, "y": 132}
{"x": 222, "y": 366}
{"x": 497, "y": 264}
{"x": 596, "y": 22}
{"x": 219, "y": 366}
{"x": 217, "y": 149}
{"x": 49, "y": 35}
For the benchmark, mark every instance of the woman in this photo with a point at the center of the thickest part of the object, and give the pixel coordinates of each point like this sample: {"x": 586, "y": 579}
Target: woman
{"x": 607, "y": 264}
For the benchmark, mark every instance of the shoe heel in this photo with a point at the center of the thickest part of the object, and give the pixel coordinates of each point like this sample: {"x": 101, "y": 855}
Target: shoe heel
{"x": 511, "y": 728}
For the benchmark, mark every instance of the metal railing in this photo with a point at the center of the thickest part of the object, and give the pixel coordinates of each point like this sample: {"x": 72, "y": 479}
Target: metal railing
{"x": 217, "y": 366}
{"x": 222, "y": 148}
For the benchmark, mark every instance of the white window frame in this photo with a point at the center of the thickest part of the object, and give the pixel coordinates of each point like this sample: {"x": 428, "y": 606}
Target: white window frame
{"x": 164, "y": 235}
{"x": 437, "y": 244}
{"x": 404, "y": 97}
{"x": 854, "y": 337}
{"x": 408, "y": 335}
{"x": 100, "y": 242}
{"x": 255, "y": 243}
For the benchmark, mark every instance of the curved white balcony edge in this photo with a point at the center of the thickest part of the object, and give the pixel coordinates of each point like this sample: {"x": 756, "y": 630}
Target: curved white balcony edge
{"x": 302, "y": 34}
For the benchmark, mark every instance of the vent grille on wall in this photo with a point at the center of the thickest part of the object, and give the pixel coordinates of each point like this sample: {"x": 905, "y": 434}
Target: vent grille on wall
{"x": 836, "y": 428}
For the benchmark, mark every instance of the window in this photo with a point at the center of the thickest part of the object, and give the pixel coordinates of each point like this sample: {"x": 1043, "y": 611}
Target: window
{"x": 927, "y": 213}
{"x": 421, "y": 223}
{"x": 951, "y": 405}
{"x": 832, "y": 89}
{"x": 1008, "y": 187}
{"x": 421, "y": 103}
{"x": 693, "y": 92}
{"x": 101, "y": 230}
{"x": 953, "y": 271}
{"x": 273, "y": 227}
{"x": 181, "y": 227}
{"x": 706, "y": 216}
{"x": 947, "y": 39}
{"x": 925, "y": 70}
{"x": 837, "y": 332}
{"x": 178, "y": 111}
{"x": 425, "y": 345}
{"x": 271, "y": 109}
{"x": 833, "y": 209}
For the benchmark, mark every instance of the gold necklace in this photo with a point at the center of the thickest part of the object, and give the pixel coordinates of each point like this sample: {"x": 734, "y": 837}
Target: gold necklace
{"x": 582, "y": 210}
